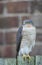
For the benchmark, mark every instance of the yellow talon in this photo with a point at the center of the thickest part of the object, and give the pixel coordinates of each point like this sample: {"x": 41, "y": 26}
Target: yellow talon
{"x": 24, "y": 57}
{"x": 28, "y": 58}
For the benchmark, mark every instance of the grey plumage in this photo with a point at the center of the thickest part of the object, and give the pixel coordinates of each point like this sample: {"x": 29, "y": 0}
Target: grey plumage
{"x": 19, "y": 35}
{"x": 18, "y": 39}
{"x": 18, "y": 42}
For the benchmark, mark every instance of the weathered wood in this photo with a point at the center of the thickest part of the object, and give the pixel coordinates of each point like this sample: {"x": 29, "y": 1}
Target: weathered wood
{"x": 38, "y": 60}
{"x": 12, "y": 61}
{"x": 1, "y": 61}
{"x": 22, "y": 62}
{"x": 35, "y": 60}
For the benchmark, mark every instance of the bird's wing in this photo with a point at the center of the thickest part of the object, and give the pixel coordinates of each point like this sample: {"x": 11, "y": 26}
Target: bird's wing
{"x": 18, "y": 39}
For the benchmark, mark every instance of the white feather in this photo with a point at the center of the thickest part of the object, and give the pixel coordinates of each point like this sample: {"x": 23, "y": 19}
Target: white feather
{"x": 28, "y": 40}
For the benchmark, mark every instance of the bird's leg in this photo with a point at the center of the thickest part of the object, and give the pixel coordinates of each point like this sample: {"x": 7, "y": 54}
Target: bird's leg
{"x": 28, "y": 58}
{"x": 24, "y": 57}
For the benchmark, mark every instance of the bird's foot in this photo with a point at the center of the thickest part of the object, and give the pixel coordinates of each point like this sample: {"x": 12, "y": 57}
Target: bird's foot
{"x": 24, "y": 57}
{"x": 28, "y": 58}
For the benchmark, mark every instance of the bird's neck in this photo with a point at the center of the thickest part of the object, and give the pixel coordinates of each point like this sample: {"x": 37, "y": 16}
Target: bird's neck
{"x": 28, "y": 25}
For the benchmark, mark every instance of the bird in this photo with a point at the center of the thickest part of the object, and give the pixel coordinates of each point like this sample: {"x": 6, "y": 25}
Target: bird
{"x": 25, "y": 39}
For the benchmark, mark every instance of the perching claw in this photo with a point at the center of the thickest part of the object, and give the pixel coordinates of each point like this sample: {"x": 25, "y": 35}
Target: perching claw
{"x": 26, "y": 57}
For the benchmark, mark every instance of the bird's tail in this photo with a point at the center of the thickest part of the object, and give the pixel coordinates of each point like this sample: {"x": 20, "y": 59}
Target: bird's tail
{"x": 16, "y": 58}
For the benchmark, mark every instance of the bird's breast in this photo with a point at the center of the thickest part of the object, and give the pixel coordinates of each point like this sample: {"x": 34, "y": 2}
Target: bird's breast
{"x": 28, "y": 39}
{"x": 28, "y": 36}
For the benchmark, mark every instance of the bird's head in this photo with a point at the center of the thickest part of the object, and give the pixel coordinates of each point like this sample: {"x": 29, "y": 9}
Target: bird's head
{"x": 27, "y": 22}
